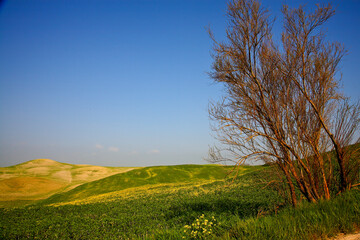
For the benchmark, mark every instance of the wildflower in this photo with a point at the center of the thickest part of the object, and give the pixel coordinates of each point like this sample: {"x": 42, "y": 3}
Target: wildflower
{"x": 200, "y": 228}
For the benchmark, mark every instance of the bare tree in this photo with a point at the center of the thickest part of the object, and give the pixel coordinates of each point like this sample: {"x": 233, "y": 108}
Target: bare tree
{"x": 280, "y": 102}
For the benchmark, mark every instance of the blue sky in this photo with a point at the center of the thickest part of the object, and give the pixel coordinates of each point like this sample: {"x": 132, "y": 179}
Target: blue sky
{"x": 121, "y": 83}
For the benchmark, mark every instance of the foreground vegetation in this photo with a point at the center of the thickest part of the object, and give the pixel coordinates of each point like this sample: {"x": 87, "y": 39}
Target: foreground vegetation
{"x": 149, "y": 204}
{"x": 308, "y": 221}
{"x": 150, "y": 211}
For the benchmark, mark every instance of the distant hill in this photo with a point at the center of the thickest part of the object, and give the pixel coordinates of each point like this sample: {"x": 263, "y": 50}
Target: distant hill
{"x": 40, "y": 178}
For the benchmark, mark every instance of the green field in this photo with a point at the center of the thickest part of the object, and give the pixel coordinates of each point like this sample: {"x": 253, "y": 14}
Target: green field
{"x": 158, "y": 202}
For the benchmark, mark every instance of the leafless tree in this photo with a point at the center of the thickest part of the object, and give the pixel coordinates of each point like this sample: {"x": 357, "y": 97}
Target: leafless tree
{"x": 282, "y": 104}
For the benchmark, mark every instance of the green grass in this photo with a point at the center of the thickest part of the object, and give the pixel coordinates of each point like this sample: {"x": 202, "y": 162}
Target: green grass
{"x": 150, "y": 211}
{"x": 309, "y": 221}
{"x": 157, "y": 202}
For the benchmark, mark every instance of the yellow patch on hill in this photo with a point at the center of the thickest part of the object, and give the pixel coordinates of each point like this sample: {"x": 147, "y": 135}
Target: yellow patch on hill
{"x": 140, "y": 192}
{"x": 26, "y": 188}
{"x": 64, "y": 175}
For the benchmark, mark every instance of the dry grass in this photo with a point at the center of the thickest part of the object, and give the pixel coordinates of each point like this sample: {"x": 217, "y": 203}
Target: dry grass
{"x": 27, "y": 188}
{"x": 40, "y": 178}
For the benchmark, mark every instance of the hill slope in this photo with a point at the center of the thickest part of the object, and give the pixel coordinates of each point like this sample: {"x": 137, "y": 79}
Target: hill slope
{"x": 142, "y": 177}
{"x": 157, "y": 210}
{"x": 40, "y": 178}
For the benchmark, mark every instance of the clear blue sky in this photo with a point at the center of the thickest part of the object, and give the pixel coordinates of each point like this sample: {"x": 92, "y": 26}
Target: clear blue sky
{"x": 121, "y": 83}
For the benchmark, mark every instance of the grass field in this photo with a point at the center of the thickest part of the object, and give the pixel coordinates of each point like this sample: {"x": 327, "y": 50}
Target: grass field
{"x": 168, "y": 202}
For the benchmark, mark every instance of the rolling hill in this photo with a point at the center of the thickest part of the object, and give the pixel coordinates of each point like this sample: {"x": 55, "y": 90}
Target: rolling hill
{"x": 163, "y": 202}
{"x": 50, "y": 181}
{"x": 143, "y": 177}
{"x": 41, "y": 178}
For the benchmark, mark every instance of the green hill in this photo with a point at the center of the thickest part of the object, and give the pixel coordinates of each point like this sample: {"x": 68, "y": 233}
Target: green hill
{"x": 142, "y": 177}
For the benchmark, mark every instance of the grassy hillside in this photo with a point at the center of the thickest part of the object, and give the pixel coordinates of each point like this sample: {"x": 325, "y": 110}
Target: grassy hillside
{"x": 142, "y": 177}
{"x": 167, "y": 202}
{"x": 155, "y": 203}
{"x": 40, "y": 178}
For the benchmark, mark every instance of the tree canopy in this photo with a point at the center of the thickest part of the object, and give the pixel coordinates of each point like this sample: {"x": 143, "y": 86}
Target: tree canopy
{"x": 282, "y": 101}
